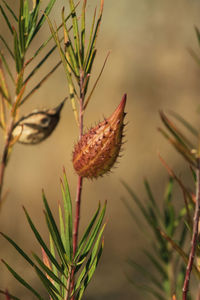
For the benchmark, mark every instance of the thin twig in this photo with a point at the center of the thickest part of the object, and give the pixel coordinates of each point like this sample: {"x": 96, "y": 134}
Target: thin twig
{"x": 4, "y": 158}
{"x": 194, "y": 235}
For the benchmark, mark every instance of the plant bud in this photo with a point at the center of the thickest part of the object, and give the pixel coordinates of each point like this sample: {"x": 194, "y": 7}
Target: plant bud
{"x": 37, "y": 126}
{"x": 98, "y": 149}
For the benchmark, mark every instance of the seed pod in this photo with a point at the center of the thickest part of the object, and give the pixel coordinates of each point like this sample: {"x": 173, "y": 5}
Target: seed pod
{"x": 37, "y": 126}
{"x": 98, "y": 149}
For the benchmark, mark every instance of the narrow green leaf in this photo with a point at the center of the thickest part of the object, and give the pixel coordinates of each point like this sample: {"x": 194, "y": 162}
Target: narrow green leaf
{"x": 83, "y": 31}
{"x": 22, "y": 281}
{"x": 62, "y": 230}
{"x": 43, "y": 18}
{"x": 181, "y": 149}
{"x": 20, "y": 251}
{"x": 10, "y": 10}
{"x": 47, "y": 41}
{"x": 149, "y": 192}
{"x": 169, "y": 190}
{"x": 32, "y": 23}
{"x": 86, "y": 233}
{"x": 42, "y": 243}
{"x": 7, "y": 47}
{"x": 6, "y": 19}
{"x": 55, "y": 233}
{"x": 94, "y": 232}
{"x": 65, "y": 62}
{"x": 90, "y": 40}
{"x": 76, "y": 31}
{"x": 179, "y": 137}
{"x": 68, "y": 216}
{"x": 37, "y": 67}
{"x": 90, "y": 62}
{"x": 197, "y": 34}
{"x": 185, "y": 123}
{"x": 6, "y": 66}
{"x": 90, "y": 273}
{"x": 17, "y": 54}
{"x": 3, "y": 85}
{"x": 90, "y": 261}
{"x": 70, "y": 53}
{"x": 169, "y": 212}
{"x": 55, "y": 271}
{"x": 93, "y": 39}
{"x": 57, "y": 242}
{"x": 26, "y": 18}
{"x": 21, "y": 27}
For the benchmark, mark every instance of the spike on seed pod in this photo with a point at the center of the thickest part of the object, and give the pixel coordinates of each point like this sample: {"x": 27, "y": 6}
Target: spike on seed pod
{"x": 97, "y": 151}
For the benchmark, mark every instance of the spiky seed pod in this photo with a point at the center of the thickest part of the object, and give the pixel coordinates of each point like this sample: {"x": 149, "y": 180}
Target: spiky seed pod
{"x": 37, "y": 126}
{"x": 98, "y": 149}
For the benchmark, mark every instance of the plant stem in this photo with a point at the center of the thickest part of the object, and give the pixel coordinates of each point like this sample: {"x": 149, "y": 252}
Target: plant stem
{"x": 80, "y": 181}
{"x": 68, "y": 284}
{"x": 194, "y": 235}
{"x": 4, "y": 158}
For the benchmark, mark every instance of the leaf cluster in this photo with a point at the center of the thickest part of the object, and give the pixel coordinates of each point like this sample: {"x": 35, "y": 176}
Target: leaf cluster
{"x": 76, "y": 55}
{"x": 57, "y": 263}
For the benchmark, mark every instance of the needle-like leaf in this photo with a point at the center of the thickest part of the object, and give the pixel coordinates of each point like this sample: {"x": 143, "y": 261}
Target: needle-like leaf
{"x": 6, "y": 19}
{"x": 22, "y": 281}
{"x": 10, "y": 10}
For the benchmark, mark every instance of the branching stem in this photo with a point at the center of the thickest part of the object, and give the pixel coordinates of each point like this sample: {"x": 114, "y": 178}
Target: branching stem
{"x": 194, "y": 235}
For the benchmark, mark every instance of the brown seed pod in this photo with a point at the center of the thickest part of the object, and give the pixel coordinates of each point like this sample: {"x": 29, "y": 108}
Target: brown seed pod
{"x": 98, "y": 149}
{"x": 37, "y": 126}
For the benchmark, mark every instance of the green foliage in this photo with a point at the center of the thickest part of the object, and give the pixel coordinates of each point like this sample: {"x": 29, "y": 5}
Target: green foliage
{"x": 171, "y": 227}
{"x": 161, "y": 254}
{"x": 55, "y": 267}
{"x": 67, "y": 266}
{"x": 76, "y": 56}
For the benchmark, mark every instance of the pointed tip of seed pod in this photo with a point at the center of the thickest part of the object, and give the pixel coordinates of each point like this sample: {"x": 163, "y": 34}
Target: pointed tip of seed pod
{"x": 60, "y": 106}
{"x": 119, "y": 113}
{"x": 122, "y": 104}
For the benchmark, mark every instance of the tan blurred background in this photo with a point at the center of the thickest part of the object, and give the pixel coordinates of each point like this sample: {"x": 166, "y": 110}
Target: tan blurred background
{"x": 149, "y": 61}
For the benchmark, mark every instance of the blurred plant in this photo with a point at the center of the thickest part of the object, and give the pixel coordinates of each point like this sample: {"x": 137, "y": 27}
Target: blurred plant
{"x": 66, "y": 274}
{"x": 172, "y": 227}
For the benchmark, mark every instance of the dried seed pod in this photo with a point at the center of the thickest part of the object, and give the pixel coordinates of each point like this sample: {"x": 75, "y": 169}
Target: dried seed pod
{"x": 98, "y": 149}
{"x": 37, "y": 126}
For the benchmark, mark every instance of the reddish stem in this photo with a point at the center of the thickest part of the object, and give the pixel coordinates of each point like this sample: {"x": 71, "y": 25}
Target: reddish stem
{"x": 194, "y": 235}
{"x": 79, "y": 184}
{"x": 77, "y": 215}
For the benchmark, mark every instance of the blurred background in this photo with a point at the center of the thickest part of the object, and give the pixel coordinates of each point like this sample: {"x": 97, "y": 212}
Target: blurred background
{"x": 150, "y": 61}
